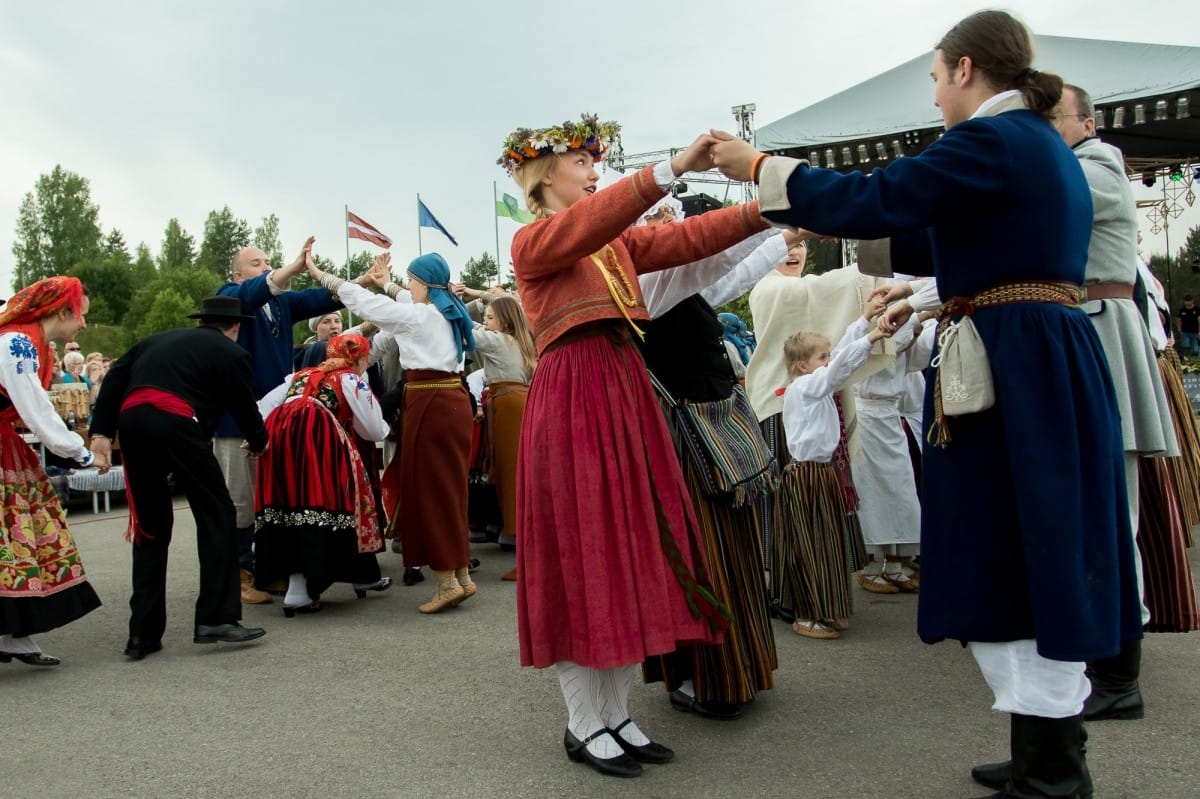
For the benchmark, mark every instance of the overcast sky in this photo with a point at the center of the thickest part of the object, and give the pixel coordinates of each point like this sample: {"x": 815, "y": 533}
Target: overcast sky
{"x": 301, "y": 107}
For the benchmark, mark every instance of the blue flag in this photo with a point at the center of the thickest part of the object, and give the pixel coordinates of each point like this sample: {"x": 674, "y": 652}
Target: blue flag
{"x": 426, "y": 219}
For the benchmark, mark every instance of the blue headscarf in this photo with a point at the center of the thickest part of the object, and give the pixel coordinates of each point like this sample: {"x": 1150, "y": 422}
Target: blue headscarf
{"x": 434, "y": 272}
{"x": 738, "y": 335}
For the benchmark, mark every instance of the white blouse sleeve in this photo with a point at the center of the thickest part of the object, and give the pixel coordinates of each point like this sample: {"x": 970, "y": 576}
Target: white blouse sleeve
{"x": 918, "y": 354}
{"x": 398, "y": 316}
{"x": 665, "y": 289}
{"x": 368, "y": 416}
{"x": 771, "y": 251}
{"x": 275, "y": 397}
{"x": 19, "y": 376}
{"x": 832, "y": 377}
{"x": 925, "y": 295}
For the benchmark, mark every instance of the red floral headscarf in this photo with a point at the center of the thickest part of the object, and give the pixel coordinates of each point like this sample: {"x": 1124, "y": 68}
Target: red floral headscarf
{"x": 342, "y": 353}
{"x": 29, "y": 306}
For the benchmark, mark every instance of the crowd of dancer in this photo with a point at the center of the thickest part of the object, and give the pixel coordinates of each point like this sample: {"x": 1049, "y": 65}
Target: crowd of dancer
{"x": 670, "y": 482}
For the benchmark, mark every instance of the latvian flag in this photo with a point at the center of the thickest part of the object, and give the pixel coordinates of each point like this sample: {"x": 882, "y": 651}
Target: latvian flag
{"x": 361, "y": 229}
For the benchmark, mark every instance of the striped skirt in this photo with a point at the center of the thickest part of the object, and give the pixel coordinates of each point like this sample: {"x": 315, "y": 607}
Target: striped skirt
{"x": 1163, "y": 541}
{"x": 737, "y": 669}
{"x": 817, "y": 544}
{"x": 1185, "y": 470}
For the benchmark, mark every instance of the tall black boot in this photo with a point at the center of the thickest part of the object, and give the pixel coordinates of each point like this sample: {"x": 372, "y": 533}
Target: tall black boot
{"x": 1048, "y": 759}
{"x": 998, "y": 775}
{"x": 1115, "y": 691}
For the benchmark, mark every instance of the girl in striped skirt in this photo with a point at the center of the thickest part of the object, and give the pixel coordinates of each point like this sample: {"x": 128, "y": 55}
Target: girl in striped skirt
{"x": 814, "y": 549}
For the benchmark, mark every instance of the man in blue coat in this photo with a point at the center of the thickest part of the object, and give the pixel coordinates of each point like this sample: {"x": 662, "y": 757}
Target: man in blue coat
{"x": 273, "y": 308}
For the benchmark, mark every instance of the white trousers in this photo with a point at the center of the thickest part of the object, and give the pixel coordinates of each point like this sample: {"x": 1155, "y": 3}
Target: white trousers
{"x": 1026, "y": 683}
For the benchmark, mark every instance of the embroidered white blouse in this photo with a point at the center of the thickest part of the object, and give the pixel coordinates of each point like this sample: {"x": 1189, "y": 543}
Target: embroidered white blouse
{"x": 19, "y": 376}
{"x": 368, "y": 417}
{"x": 424, "y": 337}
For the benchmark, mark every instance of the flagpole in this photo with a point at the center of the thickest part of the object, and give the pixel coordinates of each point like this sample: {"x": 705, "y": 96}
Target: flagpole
{"x": 496, "y": 219}
{"x": 420, "y": 250}
{"x": 346, "y": 227}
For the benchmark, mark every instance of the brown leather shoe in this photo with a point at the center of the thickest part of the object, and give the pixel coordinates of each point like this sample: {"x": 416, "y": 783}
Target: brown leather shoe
{"x": 510, "y": 575}
{"x": 250, "y": 594}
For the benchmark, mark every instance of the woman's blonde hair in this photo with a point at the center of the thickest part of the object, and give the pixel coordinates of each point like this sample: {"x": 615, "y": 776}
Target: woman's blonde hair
{"x": 510, "y": 319}
{"x": 529, "y": 177}
{"x": 800, "y": 347}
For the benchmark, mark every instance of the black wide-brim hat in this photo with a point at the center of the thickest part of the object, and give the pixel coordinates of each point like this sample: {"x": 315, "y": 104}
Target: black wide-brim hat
{"x": 219, "y": 307}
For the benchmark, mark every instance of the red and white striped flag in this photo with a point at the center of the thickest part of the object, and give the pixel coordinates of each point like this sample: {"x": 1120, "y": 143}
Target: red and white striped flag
{"x": 358, "y": 228}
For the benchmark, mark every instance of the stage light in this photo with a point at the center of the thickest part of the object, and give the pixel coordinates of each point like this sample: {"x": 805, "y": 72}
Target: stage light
{"x": 1148, "y": 178}
{"x": 847, "y": 159}
{"x": 897, "y": 150}
{"x": 880, "y": 151}
{"x": 1160, "y": 111}
{"x": 1139, "y": 114}
{"x": 1119, "y": 117}
{"x": 1176, "y": 173}
{"x": 830, "y": 161}
{"x": 1099, "y": 119}
{"x": 814, "y": 157}
{"x": 1181, "y": 108}
{"x": 863, "y": 158}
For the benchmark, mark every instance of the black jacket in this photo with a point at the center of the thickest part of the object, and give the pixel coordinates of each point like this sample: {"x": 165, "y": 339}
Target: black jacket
{"x": 197, "y": 364}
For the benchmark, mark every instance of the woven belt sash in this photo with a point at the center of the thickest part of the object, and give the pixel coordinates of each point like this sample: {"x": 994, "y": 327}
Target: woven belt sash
{"x": 1057, "y": 292}
{"x": 433, "y": 384}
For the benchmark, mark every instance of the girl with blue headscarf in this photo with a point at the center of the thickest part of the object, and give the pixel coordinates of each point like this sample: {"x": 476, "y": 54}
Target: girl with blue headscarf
{"x": 433, "y": 332}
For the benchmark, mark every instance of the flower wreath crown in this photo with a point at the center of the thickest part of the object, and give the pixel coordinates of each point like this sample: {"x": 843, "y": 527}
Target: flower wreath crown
{"x": 588, "y": 134}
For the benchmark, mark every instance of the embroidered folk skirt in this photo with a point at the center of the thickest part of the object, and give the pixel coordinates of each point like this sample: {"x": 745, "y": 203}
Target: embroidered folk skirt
{"x": 600, "y": 500}
{"x": 1163, "y": 541}
{"x": 505, "y": 409}
{"x": 814, "y": 543}
{"x": 735, "y": 670}
{"x": 42, "y": 582}
{"x": 435, "y": 463}
{"x": 315, "y": 509}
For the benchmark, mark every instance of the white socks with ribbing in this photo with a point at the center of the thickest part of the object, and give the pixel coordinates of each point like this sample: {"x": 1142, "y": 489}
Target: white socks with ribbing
{"x": 580, "y": 688}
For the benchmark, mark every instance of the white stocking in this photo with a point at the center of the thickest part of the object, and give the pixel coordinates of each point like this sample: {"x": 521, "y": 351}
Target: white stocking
{"x": 21, "y": 645}
{"x": 297, "y": 592}
{"x": 579, "y": 686}
{"x": 689, "y": 688}
{"x": 613, "y": 703}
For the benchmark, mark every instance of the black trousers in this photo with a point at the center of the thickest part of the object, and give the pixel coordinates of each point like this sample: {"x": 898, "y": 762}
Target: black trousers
{"x": 155, "y": 444}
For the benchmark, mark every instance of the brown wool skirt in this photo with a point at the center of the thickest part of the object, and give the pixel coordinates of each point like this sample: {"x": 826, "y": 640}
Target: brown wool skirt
{"x": 505, "y": 408}
{"x": 434, "y": 466}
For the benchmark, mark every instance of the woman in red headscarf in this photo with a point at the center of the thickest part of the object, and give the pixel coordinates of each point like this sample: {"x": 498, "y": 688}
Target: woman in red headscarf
{"x": 42, "y": 584}
{"x": 316, "y": 521}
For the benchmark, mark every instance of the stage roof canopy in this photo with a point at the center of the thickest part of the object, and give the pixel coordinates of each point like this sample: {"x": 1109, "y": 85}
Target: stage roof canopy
{"x": 1147, "y": 98}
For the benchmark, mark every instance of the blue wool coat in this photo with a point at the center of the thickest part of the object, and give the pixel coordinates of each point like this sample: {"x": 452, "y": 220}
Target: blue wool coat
{"x": 270, "y": 342}
{"x": 1025, "y": 530}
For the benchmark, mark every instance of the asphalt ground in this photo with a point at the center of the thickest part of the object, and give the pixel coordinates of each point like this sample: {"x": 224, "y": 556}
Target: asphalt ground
{"x": 369, "y": 698}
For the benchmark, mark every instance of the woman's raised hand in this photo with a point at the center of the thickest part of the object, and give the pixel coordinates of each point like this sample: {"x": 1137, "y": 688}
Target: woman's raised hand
{"x": 380, "y": 272}
{"x": 733, "y": 156}
{"x": 696, "y": 158}
{"x": 895, "y": 316}
{"x": 891, "y": 293}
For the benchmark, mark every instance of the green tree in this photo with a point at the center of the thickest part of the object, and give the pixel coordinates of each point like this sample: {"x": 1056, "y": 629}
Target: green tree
{"x": 1183, "y": 275}
{"x": 266, "y": 238}
{"x": 57, "y": 227}
{"x": 143, "y": 268}
{"x": 110, "y": 285}
{"x": 178, "y": 251}
{"x": 170, "y": 310}
{"x": 141, "y": 319}
{"x": 115, "y": 247}
{"x": 224, "y": 235}
{"x": 480, "y": 273}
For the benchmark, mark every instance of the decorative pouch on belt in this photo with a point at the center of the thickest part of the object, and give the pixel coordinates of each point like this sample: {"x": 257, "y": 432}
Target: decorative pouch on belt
{"x": 963, "y": 370}
{"x": 725, "y": 442}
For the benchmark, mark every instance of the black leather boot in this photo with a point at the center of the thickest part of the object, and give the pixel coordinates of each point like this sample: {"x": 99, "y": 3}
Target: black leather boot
{"x": 997, "y": 775}
{"x": 1048, "y": 760}
{"x": 1115, "y": 691}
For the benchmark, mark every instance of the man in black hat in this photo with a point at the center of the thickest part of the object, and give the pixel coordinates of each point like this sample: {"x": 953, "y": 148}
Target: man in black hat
{"x": 164, "y": 397}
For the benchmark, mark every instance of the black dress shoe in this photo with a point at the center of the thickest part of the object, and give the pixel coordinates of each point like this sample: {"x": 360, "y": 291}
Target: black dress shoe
{"x": 291, "y": 610}
{"x": 136, "y": 648}
{"x": 644, "y": 753}
{"x": 412, "y": 576}
{"x": 30, "y": 658}
{"x": 993, "y": 775}
{"x": 229, "y": 633}
{"x": 721, "y": 711}
{"x": 781, "y": 613}
{"x": 382, "y": 584}
{"x": 619, "y": 766}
